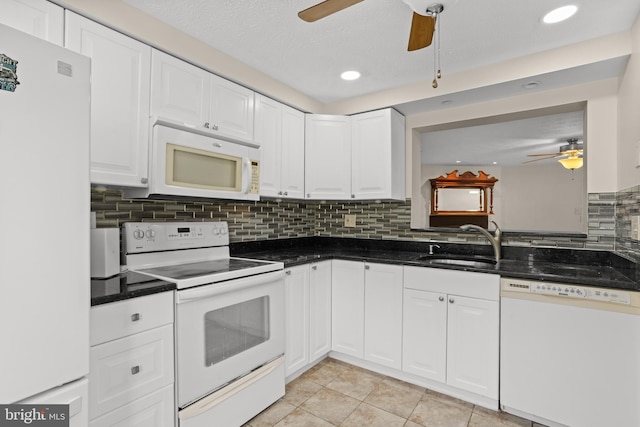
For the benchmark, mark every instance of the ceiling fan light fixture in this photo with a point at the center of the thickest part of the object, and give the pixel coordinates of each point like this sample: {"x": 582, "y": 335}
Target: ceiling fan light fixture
{"x": 560, "y": 14}
{"x": 571, "y": 162}
{"x": 350, "y": 75}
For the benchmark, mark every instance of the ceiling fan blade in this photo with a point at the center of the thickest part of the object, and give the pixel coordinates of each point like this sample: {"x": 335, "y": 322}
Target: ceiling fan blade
{"x": 422, "y": 28}
{"x": 543, "y": 158}
{"x": 324, "y": 9}
{"x": 545, "y": 154}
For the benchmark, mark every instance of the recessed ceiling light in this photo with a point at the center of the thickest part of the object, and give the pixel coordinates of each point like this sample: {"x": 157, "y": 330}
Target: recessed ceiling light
{"x": 560, "y": 14}
{"x": 495, "y": 163}
{"x": 350, "y": 75}
{"x": 458, "y": 161}
{"x": 531, "y": 85}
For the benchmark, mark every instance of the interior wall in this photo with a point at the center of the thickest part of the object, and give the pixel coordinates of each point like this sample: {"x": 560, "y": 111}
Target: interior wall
{"x": 545, "y": 197}
{"x": 598, "y": 97}
{"x": 629, "y": 118}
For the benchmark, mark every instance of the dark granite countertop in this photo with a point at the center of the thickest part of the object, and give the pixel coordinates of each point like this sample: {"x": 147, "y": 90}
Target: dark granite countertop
{"x": 126, "y": 285}
{"x": 581, "y": 267}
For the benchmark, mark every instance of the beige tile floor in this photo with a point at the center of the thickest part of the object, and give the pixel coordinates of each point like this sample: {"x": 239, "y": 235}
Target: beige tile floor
{"x": 334, "y": 393}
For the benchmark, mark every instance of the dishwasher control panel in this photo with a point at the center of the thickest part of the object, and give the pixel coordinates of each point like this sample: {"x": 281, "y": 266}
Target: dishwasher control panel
{"x": 567, "y": 291}
{"x": 563, "y": 290}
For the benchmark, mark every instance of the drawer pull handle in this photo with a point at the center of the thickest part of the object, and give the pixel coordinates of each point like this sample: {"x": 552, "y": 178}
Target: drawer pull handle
{"x": 135, "y": 317}
{"x": 135, "y": 370}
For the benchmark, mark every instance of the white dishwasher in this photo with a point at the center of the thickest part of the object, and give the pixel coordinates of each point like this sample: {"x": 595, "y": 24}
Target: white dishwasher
{"x": 570, "y": 355}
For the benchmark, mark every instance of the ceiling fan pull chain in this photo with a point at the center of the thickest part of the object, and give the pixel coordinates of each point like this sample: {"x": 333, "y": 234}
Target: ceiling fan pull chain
{"x": 439, "y": 74}
{"x": 434, "y": 84}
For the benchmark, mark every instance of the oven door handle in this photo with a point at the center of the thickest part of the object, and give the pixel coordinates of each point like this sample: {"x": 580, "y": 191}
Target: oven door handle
{"x": 205, "y": 291}
{"x": 217, "y": 397}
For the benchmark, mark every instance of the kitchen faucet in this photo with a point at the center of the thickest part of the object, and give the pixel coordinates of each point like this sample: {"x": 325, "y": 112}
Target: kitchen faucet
{"x": 495, "y": 240}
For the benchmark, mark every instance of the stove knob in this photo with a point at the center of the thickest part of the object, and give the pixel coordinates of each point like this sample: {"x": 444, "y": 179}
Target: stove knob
{"x": 138, "y": 234}
{"x": 216, "y": 231}
{"x": 150, "y": 234}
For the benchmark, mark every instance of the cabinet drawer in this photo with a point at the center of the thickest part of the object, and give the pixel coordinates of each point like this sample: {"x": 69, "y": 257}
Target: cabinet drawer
{"x": 152, "y": 410}
{"x": 129, "y": 368}
{"x": 465, "y": 283}
{"x": 123, "y": 318}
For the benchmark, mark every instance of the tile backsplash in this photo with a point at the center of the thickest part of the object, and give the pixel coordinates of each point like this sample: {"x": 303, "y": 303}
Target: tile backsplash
{"x": 608, "y": 222}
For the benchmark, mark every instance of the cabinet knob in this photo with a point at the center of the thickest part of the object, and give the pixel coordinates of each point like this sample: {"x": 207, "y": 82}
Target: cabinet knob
{"x": 286, "y": 193}
{"x": 144, "y": 180}
{"x": 288, "y": 272}
{"x": 451, "y": 300}
{"x": 315, "y": 267}
{"x": 279, "y": 193}
{"x": 206, "y": 125}
{"x": 135, "y": 317}
{"x": 353, "y": 196}
{"x": 366, "y": 267}
{"x": 214, "y": 127}
{"x": 440, "y": 299}
{"x": 308, "y": 195}
{"x": 135, "y": 370}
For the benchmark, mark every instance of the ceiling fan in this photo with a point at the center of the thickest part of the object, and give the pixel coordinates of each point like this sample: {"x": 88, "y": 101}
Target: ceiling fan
{"x": 572, "y": 151}
{"x": 423, "y": 23}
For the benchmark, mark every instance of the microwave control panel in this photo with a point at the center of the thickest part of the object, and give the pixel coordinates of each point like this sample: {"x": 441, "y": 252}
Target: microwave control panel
{"x": 255, "y": 177}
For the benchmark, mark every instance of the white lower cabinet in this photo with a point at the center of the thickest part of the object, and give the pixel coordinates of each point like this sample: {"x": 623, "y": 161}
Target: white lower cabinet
{"x": 131, "y": 373}
{"x": 451, "y": 328}
{"x": 367, "y": 311}
{"x": 308, "y": 315}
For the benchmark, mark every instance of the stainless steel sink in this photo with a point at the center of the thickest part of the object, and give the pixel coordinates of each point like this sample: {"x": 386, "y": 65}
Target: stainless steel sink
{"x": 462, "y": 261}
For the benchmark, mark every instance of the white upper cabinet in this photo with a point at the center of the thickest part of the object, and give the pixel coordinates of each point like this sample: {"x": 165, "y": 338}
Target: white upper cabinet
{"x": 279, "y": 129}
{"x": 189, "y": 95}
{"x": 377, "y": 155}
{"x": 180, "y": 91}
{"x": 39, "y": 18}
{"x": 327, "y": 157}
{"x": 120, "y": 81}
{"x": 360, "y": 157}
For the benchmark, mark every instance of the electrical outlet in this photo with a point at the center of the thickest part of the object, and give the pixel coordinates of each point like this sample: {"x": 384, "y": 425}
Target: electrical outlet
{"x": 349, "y": 220}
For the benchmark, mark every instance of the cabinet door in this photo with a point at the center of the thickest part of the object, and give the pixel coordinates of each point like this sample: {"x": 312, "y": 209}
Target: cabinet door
{"x": 39, "y": 18}
{"x": 424, "y": 344}
{"x": 377, "y": 150}
{"x": 347, "y": 307}
{"x": 179, "y": 90}
{"x": 120, "y": 73}
{"x": 296, "y": 287}
{"x": 292, "y": 153}
{"x": 473, "y": 345}
{"x": 319, "y": 310}
{"x": 267, "y": 133}
{"x": 327, "y": 157}
{"x": 153, "y": 410}
{"x": 383, "y": 314}
{"x": 231, "y": 109}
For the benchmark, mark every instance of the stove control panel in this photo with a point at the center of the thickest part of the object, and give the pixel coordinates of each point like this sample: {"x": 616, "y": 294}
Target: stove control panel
{"x": 141, "y": 237}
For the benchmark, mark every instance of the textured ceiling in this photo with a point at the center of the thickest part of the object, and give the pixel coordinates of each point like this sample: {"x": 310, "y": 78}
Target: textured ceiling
{"x": 507, "y": 143}
{"x": 371, "y": 36}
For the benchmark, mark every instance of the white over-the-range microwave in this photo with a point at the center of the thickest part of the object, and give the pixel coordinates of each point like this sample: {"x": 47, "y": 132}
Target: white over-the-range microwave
{"x": 187, "y": 162}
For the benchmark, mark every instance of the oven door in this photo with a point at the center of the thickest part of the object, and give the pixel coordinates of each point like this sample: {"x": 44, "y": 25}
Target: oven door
{"x": 225, "y": 330}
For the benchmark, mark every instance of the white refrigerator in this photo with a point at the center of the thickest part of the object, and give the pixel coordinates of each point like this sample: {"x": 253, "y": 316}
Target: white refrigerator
{"x": 44, "y": 223}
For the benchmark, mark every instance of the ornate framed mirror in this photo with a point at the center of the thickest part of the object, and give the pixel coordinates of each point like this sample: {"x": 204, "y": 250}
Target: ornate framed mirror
{"x": 461, "y": 199}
